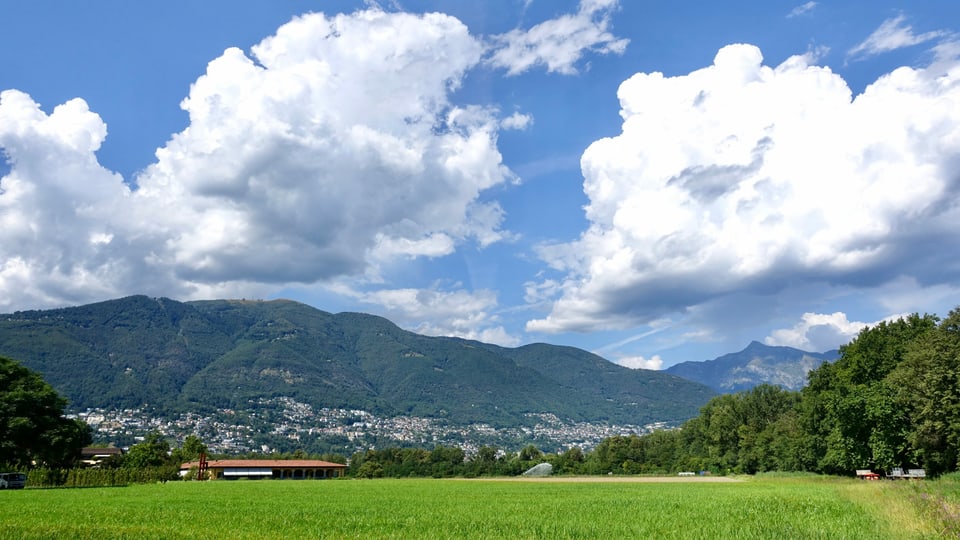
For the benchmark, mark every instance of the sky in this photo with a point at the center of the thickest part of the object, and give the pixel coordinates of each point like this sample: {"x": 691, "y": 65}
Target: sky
{"x": 650, "y": 181}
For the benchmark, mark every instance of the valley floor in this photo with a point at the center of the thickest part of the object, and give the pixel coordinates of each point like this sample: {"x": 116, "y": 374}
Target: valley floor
{"x": 810, "y": 507}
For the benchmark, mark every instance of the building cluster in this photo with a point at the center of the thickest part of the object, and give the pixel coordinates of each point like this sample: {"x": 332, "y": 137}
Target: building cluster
{"x": 283, "y": 424}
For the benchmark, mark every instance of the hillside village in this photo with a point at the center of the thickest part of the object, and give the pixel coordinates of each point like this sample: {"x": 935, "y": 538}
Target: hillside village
{"x": 284, "y": 425}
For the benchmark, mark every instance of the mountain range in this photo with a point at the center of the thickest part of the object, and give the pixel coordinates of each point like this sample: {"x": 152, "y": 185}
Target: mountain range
{"x": 199, "y": 356}
{"x": 756, "y": 364}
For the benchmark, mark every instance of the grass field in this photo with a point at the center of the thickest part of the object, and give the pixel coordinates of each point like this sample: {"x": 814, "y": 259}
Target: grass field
{"x": 752, "y": 508}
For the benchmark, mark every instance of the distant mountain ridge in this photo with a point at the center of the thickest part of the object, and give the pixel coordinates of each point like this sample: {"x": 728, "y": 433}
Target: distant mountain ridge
{"x": 208, "y": 355}
{"x": 756, "y": 364}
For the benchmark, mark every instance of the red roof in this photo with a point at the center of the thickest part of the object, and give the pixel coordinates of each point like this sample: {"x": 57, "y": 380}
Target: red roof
{"x": 266, "y": 463}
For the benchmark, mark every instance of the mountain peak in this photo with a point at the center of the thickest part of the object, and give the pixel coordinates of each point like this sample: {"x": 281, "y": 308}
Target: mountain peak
{"x": 756, "y": 364}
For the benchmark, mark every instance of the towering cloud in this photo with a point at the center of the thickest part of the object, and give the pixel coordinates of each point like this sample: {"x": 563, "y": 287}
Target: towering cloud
{"x": 57, "y": 221}
{"x": 330, "y": 149}
{"x": 741, "y": 178}
{"x": 334, "y": 143}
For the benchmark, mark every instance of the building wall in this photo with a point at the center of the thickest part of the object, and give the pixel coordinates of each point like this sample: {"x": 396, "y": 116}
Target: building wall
{"x": 282, "y": 474}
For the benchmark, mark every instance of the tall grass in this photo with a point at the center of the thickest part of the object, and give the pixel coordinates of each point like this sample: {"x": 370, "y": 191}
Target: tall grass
{"x": 939, "y": 503}
{"x": 764, "y": 508}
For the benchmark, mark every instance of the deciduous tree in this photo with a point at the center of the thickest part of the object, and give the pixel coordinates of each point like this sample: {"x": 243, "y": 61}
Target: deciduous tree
{"x": 153, "y": 451}
{"x": 33, "y": 429}
{"x": 927, "y": 387}
{"x": 190, "y": 450}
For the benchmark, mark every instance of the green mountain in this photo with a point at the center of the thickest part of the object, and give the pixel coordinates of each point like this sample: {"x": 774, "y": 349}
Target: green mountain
{"x": 757, "y": 364}
{"x": 201, "y": 356}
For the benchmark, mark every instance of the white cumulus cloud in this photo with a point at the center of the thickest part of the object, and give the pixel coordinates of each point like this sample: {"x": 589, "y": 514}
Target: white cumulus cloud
{"x": 743, "y": 178}
{"x": 516, "y": 121}
{"x": 334, "y": 140}
{"x": 58, "y": 220}
{"x": 817, "y": 332}
{"x": 330, "y": 149}
{"x": 640, "y": 362}
{"x": 439, "y": 312}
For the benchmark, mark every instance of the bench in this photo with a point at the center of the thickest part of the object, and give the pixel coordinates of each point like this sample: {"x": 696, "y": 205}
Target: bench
{"x": 867, "y": 474}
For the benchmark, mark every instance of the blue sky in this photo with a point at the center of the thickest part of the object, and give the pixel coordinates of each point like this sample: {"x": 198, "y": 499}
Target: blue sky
{"x": 651, "y": 183}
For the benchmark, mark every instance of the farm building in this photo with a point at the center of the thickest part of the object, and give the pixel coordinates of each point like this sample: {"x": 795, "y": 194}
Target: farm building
{"x": 285, "y": 469}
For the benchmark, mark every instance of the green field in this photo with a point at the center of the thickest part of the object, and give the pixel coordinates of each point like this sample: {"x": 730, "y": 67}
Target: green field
{"x": 423, "y": 508}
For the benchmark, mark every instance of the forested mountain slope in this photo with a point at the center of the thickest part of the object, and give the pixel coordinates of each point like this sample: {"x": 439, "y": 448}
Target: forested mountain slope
{"x": 196, "y": 356}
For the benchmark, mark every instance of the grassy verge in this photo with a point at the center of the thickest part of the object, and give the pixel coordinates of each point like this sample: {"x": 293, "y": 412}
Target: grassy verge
{"x": 938, "y": 502}
{"x": 757, "y": 508}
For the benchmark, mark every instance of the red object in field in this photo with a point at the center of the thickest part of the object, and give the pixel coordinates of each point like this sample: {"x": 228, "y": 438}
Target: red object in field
{"x": 202, "y": 468}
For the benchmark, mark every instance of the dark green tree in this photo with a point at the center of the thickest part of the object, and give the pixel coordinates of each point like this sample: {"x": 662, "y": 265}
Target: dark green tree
{"x": 369, "y": 469}
{"x": 734, "y": 431}
{"x": 850, "y": 411}
{"x": 530, "y": 453}
{"x": 762, "y": 408}
{"x": 190, "y": 450}
{"x": 662, "y": 450}
{"x": 484, "y": 462}
{"x": 153, "y": 451}
{"x": 569, "y": 462}
{"x": 63, "y": 444}
{"x": 612, "y": 452}
{"x": 33, "y": 429}
{"x": 719, "y": 425}
{"x": 782, "y": 446}
{"x": 926, "y": 386}
{"x": 447, "y": 461}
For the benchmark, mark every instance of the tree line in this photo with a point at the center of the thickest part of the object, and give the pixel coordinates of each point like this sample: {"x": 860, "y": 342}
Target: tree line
{"x": 891, "y": 400}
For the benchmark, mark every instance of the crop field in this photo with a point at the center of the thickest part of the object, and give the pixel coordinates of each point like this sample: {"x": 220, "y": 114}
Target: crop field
{"x": 807, "y": 507}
